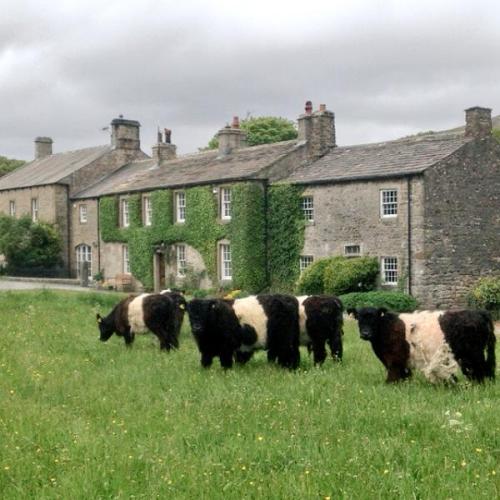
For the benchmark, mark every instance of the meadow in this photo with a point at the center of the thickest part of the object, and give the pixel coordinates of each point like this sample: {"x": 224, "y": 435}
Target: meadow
{"x": 85, "y": 419}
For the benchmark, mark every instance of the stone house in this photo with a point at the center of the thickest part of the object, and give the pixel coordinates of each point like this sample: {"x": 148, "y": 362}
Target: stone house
{"x": 426, "y": 206}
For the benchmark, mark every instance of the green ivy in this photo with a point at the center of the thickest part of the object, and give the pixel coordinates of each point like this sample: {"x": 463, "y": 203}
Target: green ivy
{"x": 286, "y": 227}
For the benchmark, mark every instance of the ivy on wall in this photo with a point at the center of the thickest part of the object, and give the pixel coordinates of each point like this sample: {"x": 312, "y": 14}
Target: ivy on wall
{"x": 286, "y": 227}
{"x": 202, "y": 230}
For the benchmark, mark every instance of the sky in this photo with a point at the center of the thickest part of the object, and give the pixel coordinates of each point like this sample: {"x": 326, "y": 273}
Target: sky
{"x": 386, "y": 68}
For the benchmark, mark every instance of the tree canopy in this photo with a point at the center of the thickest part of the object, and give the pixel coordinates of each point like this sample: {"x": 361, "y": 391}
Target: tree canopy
{"x": 9, "y": 164}
{"x": 263, "y": 130}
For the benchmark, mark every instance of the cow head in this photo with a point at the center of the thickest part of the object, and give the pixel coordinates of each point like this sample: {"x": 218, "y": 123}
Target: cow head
{"x": 369, "y": 320}
{"x": 106, "y": 328}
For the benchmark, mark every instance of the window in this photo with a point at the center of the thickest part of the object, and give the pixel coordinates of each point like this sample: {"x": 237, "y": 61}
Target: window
{"x": 225, "y": 203}
{"x": 352, "y": 250}
{"x": 180, "y": 257}
{"x": 125, "y": 214}
{"x": 389, "y": 202}
{"x": 308, "y": 208}
{"x": 83, "y": 254}
{"x": 305, "y": 262}
{"x": 226, "y": 271}
{"x": 180, "y": 206}
{"x": 126, "y": 260}
{"x": 83, "y": 214}
{"x": 147, "y": 210}
{"x": 390, "y": 270}
{"x": 12, "y": 208}
{"x": 34, "y": 209}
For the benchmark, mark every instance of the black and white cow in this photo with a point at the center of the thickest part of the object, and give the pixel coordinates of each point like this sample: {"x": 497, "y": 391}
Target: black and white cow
{"x": 437, "y": 343}
{"x": 179, "y": 300}
{"x": 236, "y": 328}
{"x": 142, "y": 313}
{"x": 321, "y": 322}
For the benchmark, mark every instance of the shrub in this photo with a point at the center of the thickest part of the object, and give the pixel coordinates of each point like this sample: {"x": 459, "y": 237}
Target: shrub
{"x": 312, "y": 279}
{"x": 394, "y": 301}
{"x": 486, "y": 295}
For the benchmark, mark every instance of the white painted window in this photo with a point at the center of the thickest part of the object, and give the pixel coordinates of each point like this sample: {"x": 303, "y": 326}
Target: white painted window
{"x": 308, "y": 208}
{"x": 126, "y": 260}
{"x": 389, "y": 202}
{"x": 180, "y": 257}
{"x": 125, "y": 214}
{"x": 34, "y": 209}
{"x": 352, "y": 250}
{"x": 225, "y": 203}
{"x": 390, "y": 270}
{"x": 305, "y": 261}
{"x": 12, "y": 208}
{"x": 147, "y": 210}
{"x": 226, "y": 270}
{"x": 83, "y": 254}
{"x": 83, "y": 214}
{"x": 180, "y": 206}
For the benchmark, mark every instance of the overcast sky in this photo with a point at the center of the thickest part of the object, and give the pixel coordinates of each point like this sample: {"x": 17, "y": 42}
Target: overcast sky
{"x": 386, "y": 68}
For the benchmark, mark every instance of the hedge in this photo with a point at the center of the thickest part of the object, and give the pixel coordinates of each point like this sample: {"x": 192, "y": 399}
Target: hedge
{"x": 394, "y": 301}
{"x": 486, "y": 295}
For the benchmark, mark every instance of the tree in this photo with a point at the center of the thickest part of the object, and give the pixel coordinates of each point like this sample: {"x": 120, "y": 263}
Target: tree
{"x": 26, "y": 244}
{"x": 8, "y": 165}
{"x": 263, "y": 130}
{"x": 496, "y": 134}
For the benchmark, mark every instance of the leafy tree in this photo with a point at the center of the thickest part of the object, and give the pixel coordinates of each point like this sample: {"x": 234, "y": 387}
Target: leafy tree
{"x": 263, "y": 130}
{"x": 496, "y": 134}
{"x": 26, "y": 244}
{"x": 8, "y": 165}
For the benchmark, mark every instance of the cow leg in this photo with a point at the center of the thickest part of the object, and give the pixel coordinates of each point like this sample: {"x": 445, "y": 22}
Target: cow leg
{"x": 289, "y": 357}
{"x": 395, "y": 373}
{"x": 226, "y": 359}
{"x": 129, "y": 337}
{"x": 319, "y": 351}
{"x": 473, "y": 366}
{"x": 206, "y": 360}
{"x": 336, "y": 348}
{"x": 272, "y": 355}
{"x": 242, "y": 357}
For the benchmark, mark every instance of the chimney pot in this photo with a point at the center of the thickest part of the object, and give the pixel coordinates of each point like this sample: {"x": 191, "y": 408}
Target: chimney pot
{"x": 309, "y": 107}
{"x": 322, "y": 107}
{"x": 236, "y": 122}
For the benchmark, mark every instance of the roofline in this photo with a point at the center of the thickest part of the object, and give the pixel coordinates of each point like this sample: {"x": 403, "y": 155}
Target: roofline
{"x": 172, "y": 186}
{"x": 357, "y": 178}
{"x": 31, "y": 186}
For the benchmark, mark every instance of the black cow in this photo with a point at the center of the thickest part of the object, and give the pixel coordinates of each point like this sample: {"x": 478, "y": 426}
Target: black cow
{"x": 236, "y": 328}
{"x": 437, "y": 342}
{"x": 138, "y": 314}
{"x": 180, "y": 306}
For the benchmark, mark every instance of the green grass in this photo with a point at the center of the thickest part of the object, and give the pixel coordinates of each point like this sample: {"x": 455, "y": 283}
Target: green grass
{"x": 83, "y": 419}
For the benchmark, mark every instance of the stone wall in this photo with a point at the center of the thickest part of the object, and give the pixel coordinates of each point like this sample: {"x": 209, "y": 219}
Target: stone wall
{"x": 462, "y": 222}
{"x": 349, "y": 214}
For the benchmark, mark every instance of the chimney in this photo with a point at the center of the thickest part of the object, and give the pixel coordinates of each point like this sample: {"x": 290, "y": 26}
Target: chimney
{"x": 317, "y": 129}
{"x": 125, "y": 134}
{"x": 478, "y": 122}
{"x": 164, "y": 151}
{"x": 231, "y": 138}
{"x": 43, "y": 147}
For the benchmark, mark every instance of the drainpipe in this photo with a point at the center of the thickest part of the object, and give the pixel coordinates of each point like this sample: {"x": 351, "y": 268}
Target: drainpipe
{"x": 98, "y": 238}
{"x": 69, "y": 206}
{"x": 408, "y": 202}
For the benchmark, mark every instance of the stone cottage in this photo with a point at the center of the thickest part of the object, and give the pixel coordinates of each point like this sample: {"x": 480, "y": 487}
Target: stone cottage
{"x": 426, "y": 206}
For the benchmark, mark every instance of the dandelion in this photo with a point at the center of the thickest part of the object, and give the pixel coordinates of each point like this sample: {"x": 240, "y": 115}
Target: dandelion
{"x": 464, "y": 463}
{"x": 260, "y": 438}
{"x": 478, "y": 450}
{"x": 12, "y": 391}
{"x": 6, "y": 467}
{"x": 493, "y": 473}
{"x": 307, "y": 472}
{"x": 386, "y": 471}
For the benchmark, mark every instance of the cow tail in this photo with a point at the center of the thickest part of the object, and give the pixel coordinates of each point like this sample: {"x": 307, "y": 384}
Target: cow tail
{"x": 490, "y": 349}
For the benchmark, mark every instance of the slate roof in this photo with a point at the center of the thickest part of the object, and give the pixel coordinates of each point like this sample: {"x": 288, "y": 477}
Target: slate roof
{"x": 411, "y": 155}
{"x": 200, "y": 168}
{"x": 51, "y": 169}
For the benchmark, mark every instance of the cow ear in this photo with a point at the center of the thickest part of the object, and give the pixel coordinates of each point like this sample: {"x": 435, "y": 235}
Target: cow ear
{"x": 382, "y": 311}
{"x": 182, "y": 306}
{"x": 352, "y": 311}
{"x": 98, "y": 317}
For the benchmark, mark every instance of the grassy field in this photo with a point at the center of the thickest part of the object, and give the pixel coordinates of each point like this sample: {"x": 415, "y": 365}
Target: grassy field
{"x": 83, "y": 419}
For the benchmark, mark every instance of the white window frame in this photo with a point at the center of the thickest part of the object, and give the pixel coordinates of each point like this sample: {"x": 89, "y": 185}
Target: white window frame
{"x": 34, "y": 209}
{"x": 348, "y": 250}
{"x": 126, "y": 260}
{"x": 304, "y": 262}
{"x": 147, "y": 208}
{"x": 225, "y": 262}
{"x": 180, "y": 206}
{"x": 84, "y": 254}
{"x": 307, "y": 205}
{"x": 12, "y": 208}
{"x": 225, "y": 203}
{"x": 125, "y": 213}
{"x": 389, "y": 203}
{"x": 180, "y": 260}
{"x": 83, "y": 213}
{"x": 390, "y": 271}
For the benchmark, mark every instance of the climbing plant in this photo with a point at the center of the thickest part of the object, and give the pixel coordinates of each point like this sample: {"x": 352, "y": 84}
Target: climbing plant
{"x": 285, "y": 235}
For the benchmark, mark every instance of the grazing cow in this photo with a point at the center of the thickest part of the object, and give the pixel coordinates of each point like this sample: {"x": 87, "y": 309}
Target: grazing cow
{"x": 180, "y": 306}
{"x": 138, "y": 314}
{"x": 321, "y": 321}
{"x": 437, "y": 343}
{"x": 236, "y": 328}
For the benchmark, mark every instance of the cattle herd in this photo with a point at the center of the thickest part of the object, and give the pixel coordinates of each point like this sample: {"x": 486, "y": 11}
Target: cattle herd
{"x": 437, "y": 343}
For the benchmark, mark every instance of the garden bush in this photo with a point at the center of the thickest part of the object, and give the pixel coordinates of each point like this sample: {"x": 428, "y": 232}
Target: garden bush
{"x": 394, "y": 301}
{"x": 312, "y": 279}
{"x": 486, "y": 295}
